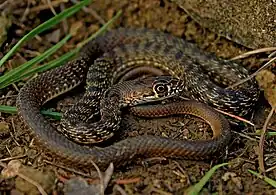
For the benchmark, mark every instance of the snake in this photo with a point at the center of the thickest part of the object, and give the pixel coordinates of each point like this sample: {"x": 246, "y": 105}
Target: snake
{"x": 103, "y": 62}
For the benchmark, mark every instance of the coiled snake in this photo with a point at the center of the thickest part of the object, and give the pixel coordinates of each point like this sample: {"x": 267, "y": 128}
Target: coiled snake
{"x": 105, "y": 60}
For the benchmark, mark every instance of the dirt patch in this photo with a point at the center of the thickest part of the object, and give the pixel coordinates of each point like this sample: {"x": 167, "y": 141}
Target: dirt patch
{"x": 146, "y": 176}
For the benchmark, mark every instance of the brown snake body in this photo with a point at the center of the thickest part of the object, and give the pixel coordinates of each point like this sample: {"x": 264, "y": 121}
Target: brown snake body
{"x": 121, "y": 51}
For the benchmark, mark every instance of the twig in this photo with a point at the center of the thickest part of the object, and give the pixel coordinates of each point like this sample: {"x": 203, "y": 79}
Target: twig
{"x": 2, "y": 5}
{"x": 236, "y": 117}
{"x": 128, "y": 181}
{"x": 12, "y": 133}
{"x": 9, "y": 151}
{"x": 254, "y": 74}
{"x": 228, "y": 114}
{"x": 245, "y": 136}
{"x": 270, "y": 169}
{"x": 12, "y": 158}
{"x": 64, "y": 22}
{"x": 119, "y": 189}
{"x": 256, "y": 51}
{"x": 180, "y": 174}
{"x": 40, "y": 7}
{"x": 26, "y": 12}
{"x": 37, "y": 185}
{"x": 180, "y": 167}
{"x": 92, "y": 12}
{"x": 108, "y": 174}
{"x": 273, "y": 54}
{"x": 15, "y": 87}
{"x": 51, "y": 7}
{"x": 183, "y": 172}
{"x": 271, "y": 128}
{"x": 71, "y": 170}
{"x": 262, "y": 138}
{"x": 102, "y": 188}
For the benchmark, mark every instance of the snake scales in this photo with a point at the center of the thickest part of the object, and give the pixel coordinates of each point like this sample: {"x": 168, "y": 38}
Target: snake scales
{"x": 106, "y": 60}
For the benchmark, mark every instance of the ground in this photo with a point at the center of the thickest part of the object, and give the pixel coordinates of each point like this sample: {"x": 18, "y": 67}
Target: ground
{"x": 145, "y": 176}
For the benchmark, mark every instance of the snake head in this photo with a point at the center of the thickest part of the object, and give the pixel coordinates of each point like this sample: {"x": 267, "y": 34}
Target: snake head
{"x": 144, "y": 90}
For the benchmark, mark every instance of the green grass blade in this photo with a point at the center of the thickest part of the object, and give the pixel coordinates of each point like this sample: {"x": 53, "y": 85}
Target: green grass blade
{"x": 195, "y": 189}
{"x": 8, "y": 109}
{"x": 17, "y": 72}
{"x": 52, "y": 64}
{"x": 49, "y": 113}
{"x": 44, "y": 26}
{"x": 269, "y": 133}
{"x": 266, "y": 179}
{"x": 13, "y": 110}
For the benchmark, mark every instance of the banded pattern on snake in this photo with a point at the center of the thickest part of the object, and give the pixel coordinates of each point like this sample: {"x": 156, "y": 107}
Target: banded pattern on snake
{"x": 105, "y": 60}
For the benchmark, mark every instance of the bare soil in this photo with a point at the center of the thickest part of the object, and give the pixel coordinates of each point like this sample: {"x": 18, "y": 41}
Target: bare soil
{"x": 145, "y": 176}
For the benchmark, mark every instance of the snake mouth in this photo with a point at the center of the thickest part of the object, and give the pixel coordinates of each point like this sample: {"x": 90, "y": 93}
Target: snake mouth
{"x": 148, "y": 100}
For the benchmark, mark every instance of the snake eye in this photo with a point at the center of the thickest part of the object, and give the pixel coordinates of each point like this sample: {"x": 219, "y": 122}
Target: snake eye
{"x": 160, "y": 89}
